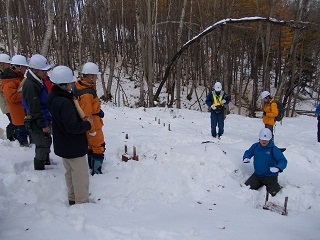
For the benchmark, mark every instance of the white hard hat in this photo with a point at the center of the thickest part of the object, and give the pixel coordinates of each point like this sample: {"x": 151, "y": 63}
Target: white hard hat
{"x": 5, "y": 58}
{"x": 90, "y": 68}
{"x": 265, "y": 94}
{"x": 19, "y": 60}
{"x": 39, "y": 62}
{"x": 62, "y": 74}
{"x": 217, "y": 86}
{"x": 265, "y": 134}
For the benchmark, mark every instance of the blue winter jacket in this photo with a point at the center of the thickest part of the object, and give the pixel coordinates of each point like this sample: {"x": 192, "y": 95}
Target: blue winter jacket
{"x": 266, "y": 157}
{"x": 318, "y": 112}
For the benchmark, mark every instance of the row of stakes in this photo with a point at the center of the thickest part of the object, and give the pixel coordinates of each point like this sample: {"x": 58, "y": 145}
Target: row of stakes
{"x": 126, "y": 156}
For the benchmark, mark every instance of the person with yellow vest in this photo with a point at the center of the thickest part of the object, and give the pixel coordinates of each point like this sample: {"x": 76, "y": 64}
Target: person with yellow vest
{"x": 11, "y": 86}
{"x": 217, "y": 100}
{"x": 85, "y": 91}
{"x": 270, "y": 110}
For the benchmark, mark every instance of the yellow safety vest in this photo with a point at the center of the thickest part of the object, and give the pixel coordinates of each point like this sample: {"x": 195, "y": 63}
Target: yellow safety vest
{"x": 217, "y": 101}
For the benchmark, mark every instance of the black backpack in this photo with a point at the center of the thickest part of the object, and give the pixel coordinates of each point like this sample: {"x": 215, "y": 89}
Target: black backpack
{"x": 280, "y": 115}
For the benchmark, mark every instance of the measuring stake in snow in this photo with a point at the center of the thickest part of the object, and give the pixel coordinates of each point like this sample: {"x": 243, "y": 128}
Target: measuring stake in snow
{"x": 273, "y": 207}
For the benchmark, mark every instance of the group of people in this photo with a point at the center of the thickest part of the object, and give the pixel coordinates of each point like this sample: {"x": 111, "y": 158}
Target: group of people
{"x": 69, "y": 110}
{"x": 269, "y": 160}
{"x": 61, "y": 109}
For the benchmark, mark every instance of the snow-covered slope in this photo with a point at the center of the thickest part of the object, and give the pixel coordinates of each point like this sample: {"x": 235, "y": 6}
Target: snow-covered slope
{"x": 179, "y": 188}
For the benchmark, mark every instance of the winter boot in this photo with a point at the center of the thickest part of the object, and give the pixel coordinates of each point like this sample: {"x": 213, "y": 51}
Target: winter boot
{"x": 11, "y": 132}
{"x": 47, "y": 162}
{"x": 38, "y": 165}
{"x": 90, "y": 161}
{"x": 97, "y": 165}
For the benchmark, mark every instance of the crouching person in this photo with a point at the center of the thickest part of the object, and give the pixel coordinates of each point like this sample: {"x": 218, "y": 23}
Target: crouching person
{"x": 268, "y": 162}
{"x": 69, "y": 134}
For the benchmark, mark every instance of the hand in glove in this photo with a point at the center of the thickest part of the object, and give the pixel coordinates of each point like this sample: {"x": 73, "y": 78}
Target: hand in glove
{"x": 274, "y": 169}
{"x": 264, "y": 113}
{"x": 213, "y": 107}
{"x": 246, "y": 160}
{"x": 223, "y": 101}
{"x": 100, "y": 114}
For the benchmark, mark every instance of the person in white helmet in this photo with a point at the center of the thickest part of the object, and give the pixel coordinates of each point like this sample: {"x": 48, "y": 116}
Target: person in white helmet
{"x": 268, "y": 162}
{"x": 217, "y": 101}
{"x": 270, "y": 110}
{"x": 38, "y": 121}
{"x": 11, "y": 129}
{"x": 11, "y": 81}
{"x": 85, "y": 91}
{"x": 69, "y": 134}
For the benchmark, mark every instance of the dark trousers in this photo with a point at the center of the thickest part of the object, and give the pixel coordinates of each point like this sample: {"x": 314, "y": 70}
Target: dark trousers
{"x": 318, "y": 131}
{"x": 22, "y": 134}
{"x": 271, "y": 183}
{"x": 217, "y": 119}
{"x": 43, "y": 142}
{"x": 11, "y": 130}
{"x": 269, "y": 127}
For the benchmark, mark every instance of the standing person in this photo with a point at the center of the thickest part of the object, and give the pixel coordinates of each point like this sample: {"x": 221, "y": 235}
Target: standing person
{"x": 318, "y": 117}
{"x": 268, "y": 162}
{"x": 69, "y": 134}
{"x": 34, "y": 94}
{"x": 5, "y": 62}
{"x": 217, "y": 100}
{"x": 85, "y": 91}
{"x": 270, "y": 110}
{"x": 11, "y": 80}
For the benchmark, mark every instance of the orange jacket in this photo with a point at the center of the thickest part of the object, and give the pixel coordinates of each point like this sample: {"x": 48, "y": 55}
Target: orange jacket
{"x": 271, "y": 110}
{"x": 14, "y": 97}
{"x": 90, "y": 104}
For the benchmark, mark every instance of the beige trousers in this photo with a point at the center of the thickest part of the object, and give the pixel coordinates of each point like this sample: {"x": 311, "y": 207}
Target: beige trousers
{"x": 77, "y": 179}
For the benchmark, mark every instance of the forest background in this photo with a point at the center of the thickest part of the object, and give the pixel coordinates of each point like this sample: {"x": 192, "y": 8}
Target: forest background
{"x": 139, "y": 39}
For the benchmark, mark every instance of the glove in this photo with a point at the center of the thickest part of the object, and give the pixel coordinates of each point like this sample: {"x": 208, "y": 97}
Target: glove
{"x": 100, "y": 113}
{"x": 264, "y": 113}
{"x": 274, "y": 169}
{"x": 92, "y": 134}
{"x": 223, "y": 101}
{"x": 246, "y": 160}
{"x": 213, "y": 107}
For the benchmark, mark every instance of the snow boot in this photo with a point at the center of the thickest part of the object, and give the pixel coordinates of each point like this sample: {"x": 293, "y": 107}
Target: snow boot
{"x": 47, "y": 162}
{"x": 96, "y": 165}
{"x": 38, "y": 165}
{"x": 90, "y": 161}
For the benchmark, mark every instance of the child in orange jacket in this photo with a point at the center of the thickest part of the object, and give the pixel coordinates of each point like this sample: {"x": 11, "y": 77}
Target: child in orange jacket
{"x": 85, "y": 91}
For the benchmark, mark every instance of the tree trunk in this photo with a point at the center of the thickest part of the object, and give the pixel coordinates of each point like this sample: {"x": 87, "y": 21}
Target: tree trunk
{"x": 48, "y": 34}
{"x": 9, "y": 25}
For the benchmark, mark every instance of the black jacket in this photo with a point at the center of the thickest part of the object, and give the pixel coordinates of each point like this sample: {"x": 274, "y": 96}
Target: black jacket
{"x": 68, "y": 129}
{"x": 34, "y": 95}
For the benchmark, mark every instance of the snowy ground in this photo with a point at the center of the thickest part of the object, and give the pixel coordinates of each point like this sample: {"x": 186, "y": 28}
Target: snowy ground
{"x": 179, "y": 189}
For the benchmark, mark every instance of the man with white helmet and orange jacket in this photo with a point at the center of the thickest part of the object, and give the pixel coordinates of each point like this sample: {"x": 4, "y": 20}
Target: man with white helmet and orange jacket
{"x": 270, "y": 110}
{"x": 85, "y": 91}
{"x": 11, "y": 81}
{"x": 11, "y": 129}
